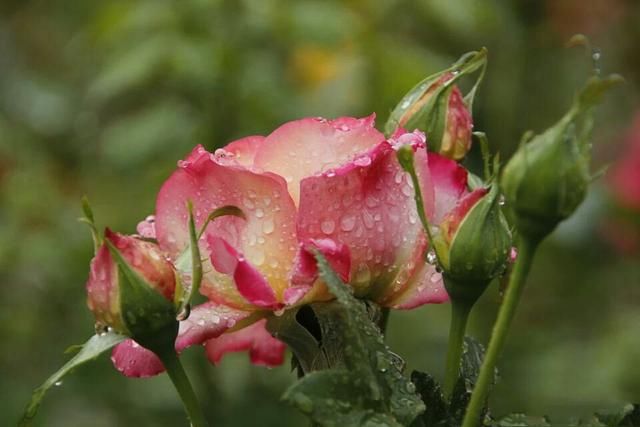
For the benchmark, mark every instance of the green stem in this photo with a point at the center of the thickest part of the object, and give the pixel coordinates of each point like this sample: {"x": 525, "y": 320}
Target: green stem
{"x": 183, "y": 386}
{"x": 459, "y": 315}
{"x": 526, "y": 250}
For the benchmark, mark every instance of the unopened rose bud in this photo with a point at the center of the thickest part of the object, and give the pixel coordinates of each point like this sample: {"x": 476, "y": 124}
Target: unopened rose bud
{"x": 131, "y": 287}
{"x": 473, "y": 244}
{"x": 437, "y": 107}
{"x": 547, "y": 178}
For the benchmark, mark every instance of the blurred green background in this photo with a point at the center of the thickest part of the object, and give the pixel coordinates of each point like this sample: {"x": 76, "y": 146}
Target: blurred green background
{"x": 103, "y": 97}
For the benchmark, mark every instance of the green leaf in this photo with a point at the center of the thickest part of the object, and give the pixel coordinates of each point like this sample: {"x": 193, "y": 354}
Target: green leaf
{"x": 521, "y": 420}
{"x": 472, "y": 356}
{"x": 366, "y": 386}
{"x": 305, "y": 347}
{"x": 627, "y": 416}
{"x": 95, "y": 346}
{"x": 437, "y": 412}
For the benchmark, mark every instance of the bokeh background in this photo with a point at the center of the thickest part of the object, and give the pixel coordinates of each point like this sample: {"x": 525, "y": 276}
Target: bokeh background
{"x": 103, "y": 97}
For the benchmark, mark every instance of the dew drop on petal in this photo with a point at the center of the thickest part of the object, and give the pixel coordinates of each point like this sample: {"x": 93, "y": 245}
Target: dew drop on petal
{"x": 268, "y": 226}
{"x": 328, "y": 226}
{"x": 432, "y": 258}
{"x": 348, "y": 222}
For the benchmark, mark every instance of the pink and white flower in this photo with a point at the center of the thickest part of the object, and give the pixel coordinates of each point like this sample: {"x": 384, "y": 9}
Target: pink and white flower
{"x": 331, "y": 185}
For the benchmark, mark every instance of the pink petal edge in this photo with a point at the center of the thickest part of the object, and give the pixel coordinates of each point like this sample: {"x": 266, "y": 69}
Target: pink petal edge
{"x": 264, "y": 350}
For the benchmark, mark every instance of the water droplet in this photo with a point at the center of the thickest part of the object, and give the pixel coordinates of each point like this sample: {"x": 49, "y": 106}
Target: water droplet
{"x": 362, "y": 161}
{"x": 101, "y": 329}
{"x": 258, "y": 258}
{"x": 259, "y": 213}
{"x": 248, "y": 203}
{"x": 328, "y": 226}
{"x": 348, "y": 222}
{"x": 432, "y": 258}
{"x": 371, "y": 201}
{"x": 268, "y": 226}
{"x": 407, "y": 190}
{"x": 184, "y": 313}
{"x": 58, "y": 383}
{"x": 501, "y": 200}
{"x": 436, "y": 277}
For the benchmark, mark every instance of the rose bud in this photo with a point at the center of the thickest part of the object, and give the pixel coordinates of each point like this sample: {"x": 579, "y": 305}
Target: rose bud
{"x": 547, "y": 178}
{"x": 473, "y": 243}
{"x": 437, "y": 107}
{"x": 130, "y": 288}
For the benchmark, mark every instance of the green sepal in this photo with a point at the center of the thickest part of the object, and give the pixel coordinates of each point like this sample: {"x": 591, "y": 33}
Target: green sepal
{"x": 405, "y": 157}
{"x": 424, "y": 106}
{"x": 150, "y": 319}
{"x": 189, "y": 263}
{"x": 479, "y": 249}
{"x": 89, "y": 219}
{"x": 366, "y": 385}
{"x": 94, "y": 347}
{"x": 547, "y": 178}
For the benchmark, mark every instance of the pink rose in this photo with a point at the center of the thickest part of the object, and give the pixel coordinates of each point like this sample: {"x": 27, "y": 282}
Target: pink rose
{"x": 332, "y": 185}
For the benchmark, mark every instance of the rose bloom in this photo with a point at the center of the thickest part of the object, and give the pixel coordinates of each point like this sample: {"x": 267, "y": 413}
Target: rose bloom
{"x": 331, "y": 185}
{"x": 623, "y": 226}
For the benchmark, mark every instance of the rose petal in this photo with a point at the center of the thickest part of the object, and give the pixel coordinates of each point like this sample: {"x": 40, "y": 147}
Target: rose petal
{"x": 102, "y": 289}
{"x": 454, "y": 218}
{"x": 263, "y": 348}
{"x": 241, "y": 152}
{"x": 305, "y": 268}
{"x": 206, "y": 321}
{"x": 133, "y": 360}
{"x": 147, "y": 227}
{"x": 425, "y": 287}
{"x": 250, "y": 282}
{"x": 147, "y": 259}
{"x": 266, "y": 238}
{"x": 450, "y": 184}
{"x": 305, "y": 147}
{"x": 368, "y": 205}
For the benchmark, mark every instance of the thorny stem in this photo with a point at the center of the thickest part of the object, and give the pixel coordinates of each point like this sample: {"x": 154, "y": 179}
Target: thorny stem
{"x": 526, "y": 251}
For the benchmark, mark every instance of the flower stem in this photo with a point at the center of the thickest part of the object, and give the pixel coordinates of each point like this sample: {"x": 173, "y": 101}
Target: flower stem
{"x": 526, "y": 250}
{"x": 183, "y": 386}
{"x": 459, "y": 315}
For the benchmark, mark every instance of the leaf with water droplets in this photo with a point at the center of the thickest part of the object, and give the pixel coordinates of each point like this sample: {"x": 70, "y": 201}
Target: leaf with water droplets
{"x": 367, "y": 387}
{"x": 95, "y": 346}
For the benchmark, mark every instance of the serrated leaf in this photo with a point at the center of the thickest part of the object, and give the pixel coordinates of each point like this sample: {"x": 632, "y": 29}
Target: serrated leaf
{"x": 629, "y": 415}
{"x": 471, "y": 361}
{"x": 521, "y": 420}
{"x": 436, "y": 413}
{"x": 367, "y": 388}
{"x": 95, "y": 346}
